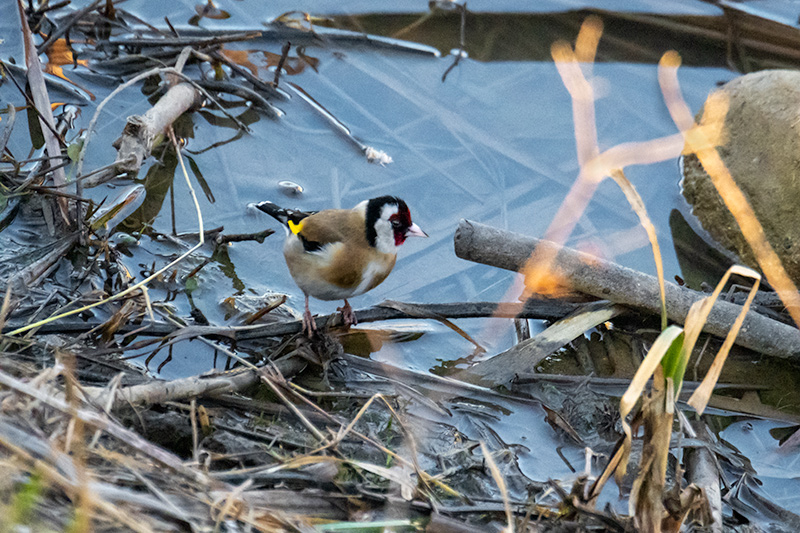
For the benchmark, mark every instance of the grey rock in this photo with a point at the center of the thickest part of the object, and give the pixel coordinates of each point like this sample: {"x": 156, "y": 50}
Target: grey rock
{"x": 762, "y": 152}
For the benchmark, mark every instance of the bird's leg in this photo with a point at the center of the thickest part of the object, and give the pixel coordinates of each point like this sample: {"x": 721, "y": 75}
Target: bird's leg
{"x": 348, "y": 315}
{"x": 309, "y": 325}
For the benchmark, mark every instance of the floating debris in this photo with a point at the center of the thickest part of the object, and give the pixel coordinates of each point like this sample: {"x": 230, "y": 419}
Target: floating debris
{"x": 290, "y": 188}
{"x": 377, "y": 156}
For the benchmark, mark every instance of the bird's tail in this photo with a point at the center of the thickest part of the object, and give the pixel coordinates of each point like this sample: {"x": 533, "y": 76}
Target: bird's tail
{"x": 282, "y": 215}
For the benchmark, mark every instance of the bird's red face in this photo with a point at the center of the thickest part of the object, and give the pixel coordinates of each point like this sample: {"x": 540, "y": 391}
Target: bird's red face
{"x": 400, "y": 222}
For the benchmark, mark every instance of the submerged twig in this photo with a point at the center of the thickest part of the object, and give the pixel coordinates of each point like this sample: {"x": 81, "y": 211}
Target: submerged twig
{"x": 65, "y": 25}
{"x": 243, "y": 72}
{"x": 421, "y": 312}
{"x": 182, "y": 42}
{"x": 242, "y": 92}
{"x": 281, "y": 61}
{"x": 373, "y": 156}
{"x": 461, "y": 53}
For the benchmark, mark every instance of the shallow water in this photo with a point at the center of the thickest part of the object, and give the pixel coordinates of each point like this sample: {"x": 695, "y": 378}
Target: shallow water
{"x": 493, "y": 143}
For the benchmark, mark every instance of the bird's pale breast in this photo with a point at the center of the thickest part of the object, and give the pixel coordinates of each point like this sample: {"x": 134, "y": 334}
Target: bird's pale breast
{"x": 336, "y": 272}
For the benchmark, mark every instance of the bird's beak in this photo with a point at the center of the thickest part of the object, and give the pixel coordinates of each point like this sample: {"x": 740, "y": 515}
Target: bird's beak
{"x": 415, "y": 231}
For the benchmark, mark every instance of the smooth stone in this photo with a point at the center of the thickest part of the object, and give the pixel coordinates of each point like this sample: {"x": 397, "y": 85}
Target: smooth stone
{"x": 762, "y": 152}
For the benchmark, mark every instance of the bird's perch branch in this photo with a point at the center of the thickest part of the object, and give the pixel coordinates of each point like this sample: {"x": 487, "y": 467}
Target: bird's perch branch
{"x": 535, "y": 309}
{"x": 591, "y": 275}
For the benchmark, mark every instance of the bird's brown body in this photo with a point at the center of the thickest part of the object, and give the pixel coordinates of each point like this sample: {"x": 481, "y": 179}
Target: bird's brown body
{"x": 340, "y": 253}
{"x": 346, "y": 266}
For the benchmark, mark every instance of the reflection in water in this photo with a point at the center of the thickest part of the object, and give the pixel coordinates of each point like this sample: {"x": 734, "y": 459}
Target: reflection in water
{"x": 627, "y": 37}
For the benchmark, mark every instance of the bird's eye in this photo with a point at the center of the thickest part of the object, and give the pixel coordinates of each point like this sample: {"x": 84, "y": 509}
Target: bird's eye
{"x": 395, "y": 224}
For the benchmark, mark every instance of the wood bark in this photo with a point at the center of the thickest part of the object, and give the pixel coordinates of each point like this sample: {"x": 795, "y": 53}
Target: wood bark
{"x": 606, "y": 280}
{"x": 141, "y": 131}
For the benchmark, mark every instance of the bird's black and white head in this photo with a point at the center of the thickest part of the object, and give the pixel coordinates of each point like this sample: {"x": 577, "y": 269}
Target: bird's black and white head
{"x": 388, "y": 223}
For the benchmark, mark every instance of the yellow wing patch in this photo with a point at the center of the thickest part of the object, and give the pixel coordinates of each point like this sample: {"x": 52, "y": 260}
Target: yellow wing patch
{"x": 295, "y": 227}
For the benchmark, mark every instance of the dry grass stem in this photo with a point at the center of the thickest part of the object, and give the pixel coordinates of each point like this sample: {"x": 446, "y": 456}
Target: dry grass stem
{"x": 646, "y": 501}
{"x": 424, "y": 477}
{"x": 702, "y": 394}
{"x": 582, "y": 94}
{"x": 637, "y": 204}
{"x": 68, "y": 484}
{"x": 540, "y": 276}
{"x": 99, "y": 421}
{"x": 587, "y": 40}
{"x": 501, "y": 486}
{"x": 232, "y": 504}
{"x": 650, "y": 366}
{"x": 269, "y": 376}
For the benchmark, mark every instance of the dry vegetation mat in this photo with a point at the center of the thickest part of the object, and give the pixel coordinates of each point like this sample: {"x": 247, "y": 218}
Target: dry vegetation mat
{"x": 297, "y": 435}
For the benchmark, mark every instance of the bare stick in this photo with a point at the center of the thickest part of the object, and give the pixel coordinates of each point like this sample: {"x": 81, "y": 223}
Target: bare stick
{"x": 158, "y": 392}
{"x": 140, "y": 131}
{"x": 602, "y": 279}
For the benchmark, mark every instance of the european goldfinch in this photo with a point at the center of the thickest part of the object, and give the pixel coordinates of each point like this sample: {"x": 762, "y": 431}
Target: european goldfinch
{"x": 340, "y": 253}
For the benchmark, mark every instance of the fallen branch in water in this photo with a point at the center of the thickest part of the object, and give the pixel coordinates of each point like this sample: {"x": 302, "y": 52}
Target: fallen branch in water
{"x": 141, "y": 131}
{"x": 158, "y": 391}
{"x": 591, "y": 275}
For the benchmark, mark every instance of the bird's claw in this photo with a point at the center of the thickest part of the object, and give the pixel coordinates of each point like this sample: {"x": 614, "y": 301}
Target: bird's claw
{"x": 348, "y": 315}
{"x": 309, "y": 324}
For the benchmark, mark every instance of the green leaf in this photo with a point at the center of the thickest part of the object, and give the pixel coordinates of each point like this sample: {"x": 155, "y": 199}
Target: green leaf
{"x": 674, "y": 362}
{"x": 191, "y": 285}
{"x": 74, "y": 150}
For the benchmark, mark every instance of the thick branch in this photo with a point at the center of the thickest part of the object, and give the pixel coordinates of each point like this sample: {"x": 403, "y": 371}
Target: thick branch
{"x": 158, "y": 391}
{"x": 606, "y": 280}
